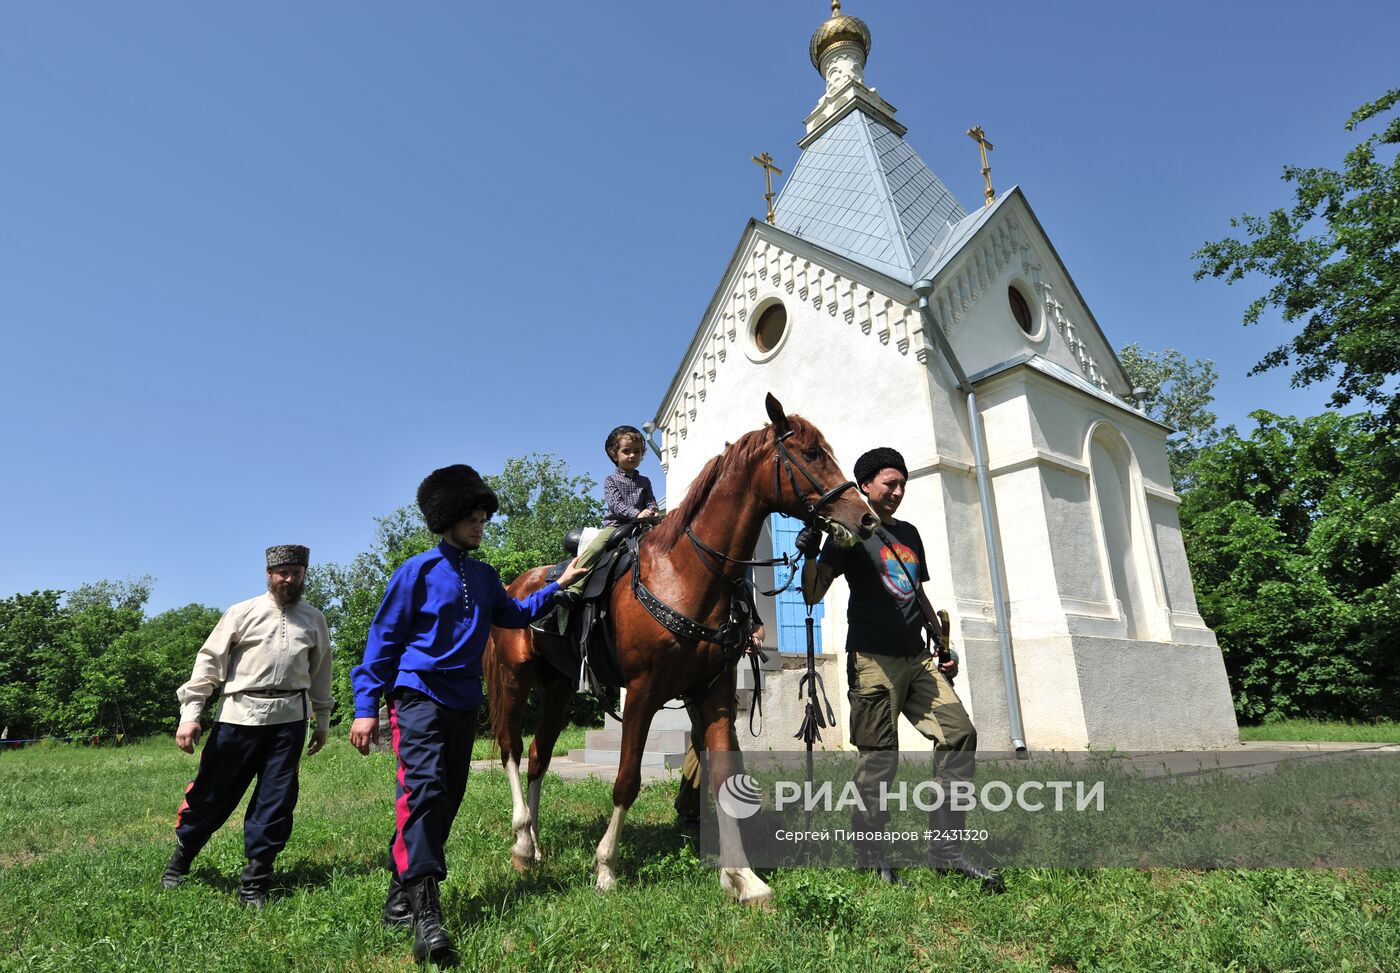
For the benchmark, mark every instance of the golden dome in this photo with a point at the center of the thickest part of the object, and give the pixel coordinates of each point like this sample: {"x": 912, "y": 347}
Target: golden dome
{"x": 840, "y": 28}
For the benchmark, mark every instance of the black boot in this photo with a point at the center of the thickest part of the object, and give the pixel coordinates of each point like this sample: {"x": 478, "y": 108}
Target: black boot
{"x": 398, "y": 913}
{"x": 430, "y": 940}
{"x": 947, "y": 854}
{"x": 891, "y": 876}
{"x": 178, "y": 866}
{"x": 255, "y": 882}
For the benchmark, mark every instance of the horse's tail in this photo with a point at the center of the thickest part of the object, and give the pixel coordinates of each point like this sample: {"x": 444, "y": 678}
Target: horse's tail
{"x": 490, "y": 667}
{"x": 498, "y": 659}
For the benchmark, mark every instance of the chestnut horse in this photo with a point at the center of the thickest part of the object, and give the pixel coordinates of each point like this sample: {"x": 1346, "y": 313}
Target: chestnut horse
{"x": 786, "y": 467}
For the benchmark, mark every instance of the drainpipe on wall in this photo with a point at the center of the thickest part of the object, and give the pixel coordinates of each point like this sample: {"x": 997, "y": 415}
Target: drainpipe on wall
{"x": 649, "y": 428}
{"x": 989, "y": 527}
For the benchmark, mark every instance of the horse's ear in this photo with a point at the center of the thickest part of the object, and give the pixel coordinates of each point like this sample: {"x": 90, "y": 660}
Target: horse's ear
{"x": 777, "y": 415}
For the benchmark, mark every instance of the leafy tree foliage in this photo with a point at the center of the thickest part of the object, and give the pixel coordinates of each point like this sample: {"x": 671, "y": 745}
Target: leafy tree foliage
{"x": 540, "y": 503}
{"x": 1294, "y": 541}
{"x": 131, "y": 593}
{"x": 30, "y": 629}
{"x": 137, "y": 677}
{"x": 90, "y": 663}
{"x": 1178, "y": 393}
{"x": 1334, "y": 259}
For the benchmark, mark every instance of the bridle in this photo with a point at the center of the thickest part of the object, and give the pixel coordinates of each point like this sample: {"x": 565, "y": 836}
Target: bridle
{"x": 783, "y": 462}
{"x": 733, "y": 634}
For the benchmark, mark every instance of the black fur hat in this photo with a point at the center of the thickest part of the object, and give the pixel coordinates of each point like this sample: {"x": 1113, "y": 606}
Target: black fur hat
{"x": 875, "y": 460}
{"x": 451, "y": 494}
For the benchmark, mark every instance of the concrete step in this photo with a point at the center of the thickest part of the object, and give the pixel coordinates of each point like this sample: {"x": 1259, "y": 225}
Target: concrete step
{"x": 610, "y": 758}
{"x": 657, "y": 739}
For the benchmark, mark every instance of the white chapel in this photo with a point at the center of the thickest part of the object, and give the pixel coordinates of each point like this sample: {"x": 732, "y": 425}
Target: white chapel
{"x": 1077, "y": 625}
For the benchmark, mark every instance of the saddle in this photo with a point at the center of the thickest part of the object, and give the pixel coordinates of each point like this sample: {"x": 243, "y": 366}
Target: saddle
{"x": 587, "y": 649}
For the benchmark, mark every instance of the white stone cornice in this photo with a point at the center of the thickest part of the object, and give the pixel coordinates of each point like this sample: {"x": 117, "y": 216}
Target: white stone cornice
{"x": 763, "y": 269}
{"x": 854, "y": 96}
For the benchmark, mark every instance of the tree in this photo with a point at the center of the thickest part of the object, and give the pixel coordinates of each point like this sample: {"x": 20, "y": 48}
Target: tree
{"x": 131, "y": 593}
{"x": 131, "y": 687}
{"x": 540, "y": 503}
{"x": 1294, "y": 540}
{"x": 1178, "y": 393}
{"x": 30, "y": 628}
{"x": 1334, "y": 257}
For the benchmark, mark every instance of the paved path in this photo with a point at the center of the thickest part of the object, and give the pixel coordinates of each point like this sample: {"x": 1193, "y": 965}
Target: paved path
{"x": 1248, "y": 759}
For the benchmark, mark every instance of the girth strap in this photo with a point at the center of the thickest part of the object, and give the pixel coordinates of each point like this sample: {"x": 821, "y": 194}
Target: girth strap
{"x": 670, "y": 619}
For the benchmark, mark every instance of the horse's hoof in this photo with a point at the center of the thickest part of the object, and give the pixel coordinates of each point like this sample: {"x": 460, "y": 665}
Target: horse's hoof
{"x": 743, "y": 892}
{"x": 763, "y": 902}
{"x": 521, "y": 865}
{"x": 605, "y": 881}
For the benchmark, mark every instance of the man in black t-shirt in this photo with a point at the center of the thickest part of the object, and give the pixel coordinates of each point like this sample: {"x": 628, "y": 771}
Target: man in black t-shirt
{"x": 889, "y": 667}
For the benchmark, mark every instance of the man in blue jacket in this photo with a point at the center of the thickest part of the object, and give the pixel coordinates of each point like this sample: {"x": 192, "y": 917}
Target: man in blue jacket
{"x": 424, "y": 652}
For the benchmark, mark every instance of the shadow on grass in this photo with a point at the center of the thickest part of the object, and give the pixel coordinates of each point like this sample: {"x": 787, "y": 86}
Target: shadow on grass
{"x": 297, "y": 875}
{"x": 646, "y": 852}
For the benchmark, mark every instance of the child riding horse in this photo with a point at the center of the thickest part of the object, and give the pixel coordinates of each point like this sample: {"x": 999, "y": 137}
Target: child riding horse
{"x": 690, "y": 567}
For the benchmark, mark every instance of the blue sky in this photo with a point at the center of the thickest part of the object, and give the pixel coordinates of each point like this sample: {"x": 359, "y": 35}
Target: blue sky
{"x": 263, "y": 266}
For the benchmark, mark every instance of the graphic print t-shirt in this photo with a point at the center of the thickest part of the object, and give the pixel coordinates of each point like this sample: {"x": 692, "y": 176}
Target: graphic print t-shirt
{"x": 882, "y": 616}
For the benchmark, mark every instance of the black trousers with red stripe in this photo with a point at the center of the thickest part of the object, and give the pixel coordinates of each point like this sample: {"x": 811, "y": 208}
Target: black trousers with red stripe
{"x": 434, "y": 746}
{"x": 232, "y": 757}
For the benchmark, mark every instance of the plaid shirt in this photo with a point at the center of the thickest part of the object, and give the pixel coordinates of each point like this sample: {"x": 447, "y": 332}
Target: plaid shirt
{"x": 626, "y": 495}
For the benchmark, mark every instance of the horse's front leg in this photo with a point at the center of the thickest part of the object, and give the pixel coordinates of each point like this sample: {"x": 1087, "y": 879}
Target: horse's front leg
{"x": 636, "y": 724}
{"x": 717, "y": 716}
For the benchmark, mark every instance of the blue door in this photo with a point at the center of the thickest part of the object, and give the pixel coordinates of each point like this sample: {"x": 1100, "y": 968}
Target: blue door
{"x": 792, "y": 613}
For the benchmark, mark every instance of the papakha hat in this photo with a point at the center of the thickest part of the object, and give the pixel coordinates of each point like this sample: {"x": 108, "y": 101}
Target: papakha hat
{"x": 288, "y": 554}
{"x": 875, "y": 460}
{"x": 451, "y": 494}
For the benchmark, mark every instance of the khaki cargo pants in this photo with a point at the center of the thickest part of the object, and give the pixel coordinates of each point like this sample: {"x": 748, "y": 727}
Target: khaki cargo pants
{"x": 882, "y": 687}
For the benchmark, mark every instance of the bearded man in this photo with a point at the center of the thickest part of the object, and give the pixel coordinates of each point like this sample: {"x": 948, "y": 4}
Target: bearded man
{"x": 269, "y": 661}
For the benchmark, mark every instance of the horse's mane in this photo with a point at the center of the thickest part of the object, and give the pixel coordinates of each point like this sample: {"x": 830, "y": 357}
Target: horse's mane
{"x": 739, "y": 452}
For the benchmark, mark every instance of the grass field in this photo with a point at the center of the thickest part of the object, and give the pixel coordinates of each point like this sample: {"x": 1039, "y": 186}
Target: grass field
{"x": 84, "y": 834}
{"x": 1319, "y": 730}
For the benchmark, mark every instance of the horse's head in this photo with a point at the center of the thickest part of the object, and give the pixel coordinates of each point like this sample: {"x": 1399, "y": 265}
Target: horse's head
{"x": 807, "y": 482}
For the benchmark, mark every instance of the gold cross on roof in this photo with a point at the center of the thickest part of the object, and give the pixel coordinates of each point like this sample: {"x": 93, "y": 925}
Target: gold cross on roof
{"x": 769, "y": 169}
{"x": 980, "y": 137}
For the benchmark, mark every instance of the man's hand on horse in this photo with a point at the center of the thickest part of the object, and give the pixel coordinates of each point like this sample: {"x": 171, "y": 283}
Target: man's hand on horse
{"x": 364, "y": 733}
{"x": 809, "y": 540}
{"x": 187, "y": 735}
{"x": 571, "y": 574}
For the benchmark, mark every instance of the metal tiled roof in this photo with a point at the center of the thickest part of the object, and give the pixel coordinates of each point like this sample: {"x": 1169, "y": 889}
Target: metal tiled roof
{"x": 861, "y": 191}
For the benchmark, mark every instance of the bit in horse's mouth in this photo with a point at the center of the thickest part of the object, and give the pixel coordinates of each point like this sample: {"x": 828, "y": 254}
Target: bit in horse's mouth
{"x": 839, "y": 532}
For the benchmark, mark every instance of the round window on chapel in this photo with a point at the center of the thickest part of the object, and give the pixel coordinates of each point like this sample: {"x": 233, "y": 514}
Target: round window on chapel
{"x": 1020, "y": 310}
{"x": 770, "y": 327}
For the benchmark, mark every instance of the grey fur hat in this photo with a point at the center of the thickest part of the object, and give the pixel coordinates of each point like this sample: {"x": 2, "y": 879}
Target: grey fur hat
{"x": 288, "y": 554}
{"x": 450, "y": 494}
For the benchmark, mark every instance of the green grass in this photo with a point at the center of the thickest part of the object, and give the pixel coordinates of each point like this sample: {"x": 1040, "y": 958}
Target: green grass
{"x": 1323, "y": 731}
{"x": 570, "y": 739}
{"x": 84, "y": 834}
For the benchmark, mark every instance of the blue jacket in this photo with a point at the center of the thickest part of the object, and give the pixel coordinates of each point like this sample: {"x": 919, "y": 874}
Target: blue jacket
{"x": 431, "y": 629}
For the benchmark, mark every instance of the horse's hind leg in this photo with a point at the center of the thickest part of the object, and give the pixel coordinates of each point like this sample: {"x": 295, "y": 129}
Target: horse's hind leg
{"x": 636, "y": 723}
{"x": 555, "y": 694}
{"x": 509, "y": 693}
